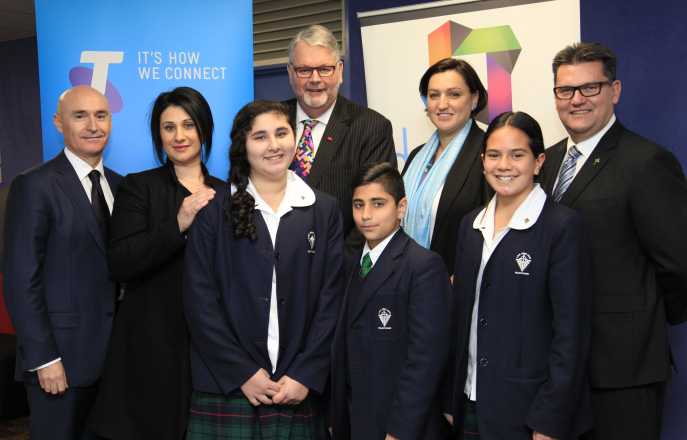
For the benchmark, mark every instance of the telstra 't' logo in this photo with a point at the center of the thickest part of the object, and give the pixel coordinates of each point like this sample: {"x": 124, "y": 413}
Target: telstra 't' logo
{"x": 97, "y": 77}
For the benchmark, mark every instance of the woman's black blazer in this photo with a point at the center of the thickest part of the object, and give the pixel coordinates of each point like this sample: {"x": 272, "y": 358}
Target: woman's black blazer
{"x": 465, "y": 189}
{"x": 145, "y": 389}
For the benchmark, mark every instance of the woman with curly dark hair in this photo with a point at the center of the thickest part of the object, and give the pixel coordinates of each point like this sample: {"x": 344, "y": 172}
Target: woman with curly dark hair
{"x": 262, "y": 290}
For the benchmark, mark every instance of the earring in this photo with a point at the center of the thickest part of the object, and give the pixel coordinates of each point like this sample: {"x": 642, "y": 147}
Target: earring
{"x": 484, "y": 172}
{"x": 473, "y": 108}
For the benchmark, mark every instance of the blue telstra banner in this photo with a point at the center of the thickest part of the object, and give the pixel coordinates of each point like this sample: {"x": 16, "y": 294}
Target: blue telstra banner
{"x": 132, "y": 50}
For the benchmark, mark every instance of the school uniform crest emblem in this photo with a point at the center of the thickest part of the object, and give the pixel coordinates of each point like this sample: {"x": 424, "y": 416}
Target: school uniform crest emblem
{"x": 523, "y": 261}
{"x": 311, "y": 240}
{"x": 384, "y": 316}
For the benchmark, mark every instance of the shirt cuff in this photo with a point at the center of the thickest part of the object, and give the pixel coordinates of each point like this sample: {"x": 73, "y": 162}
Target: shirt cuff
{"x": 46, "y": 365}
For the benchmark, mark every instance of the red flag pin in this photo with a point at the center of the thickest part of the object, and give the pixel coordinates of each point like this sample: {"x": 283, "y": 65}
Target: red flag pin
{"x": 329, "y": 138}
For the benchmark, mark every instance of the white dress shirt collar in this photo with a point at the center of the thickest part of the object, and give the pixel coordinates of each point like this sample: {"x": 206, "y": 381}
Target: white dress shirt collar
{"x": 524, "y": 217}
{"x": 301, "y": 116}
{"x": 81, "y": 167}
{"x": 297, "y": 194}
{"x": 587, "y": 147}
{"x": 377, "y": 251}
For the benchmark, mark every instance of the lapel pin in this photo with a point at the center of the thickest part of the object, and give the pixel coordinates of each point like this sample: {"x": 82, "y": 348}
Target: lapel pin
{"x": 329, "y": 138}
{"x": 596, "y": 161}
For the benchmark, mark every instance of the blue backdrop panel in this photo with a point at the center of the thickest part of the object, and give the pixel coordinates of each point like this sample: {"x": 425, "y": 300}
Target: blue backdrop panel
{"x": 134, "y": 50}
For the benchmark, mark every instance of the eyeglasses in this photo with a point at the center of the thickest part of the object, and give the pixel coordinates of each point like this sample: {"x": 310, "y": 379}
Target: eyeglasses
{"x": 586, "y": 90}
{"x": 306, "y": 72}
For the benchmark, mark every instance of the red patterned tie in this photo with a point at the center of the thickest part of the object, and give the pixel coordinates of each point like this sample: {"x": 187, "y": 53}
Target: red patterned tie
{"x": 304, "y": 154}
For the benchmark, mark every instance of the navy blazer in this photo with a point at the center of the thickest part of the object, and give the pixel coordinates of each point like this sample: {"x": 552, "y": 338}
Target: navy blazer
{"x": 534, "y": 328}
{"x": 57, "y": 287}
{"x": 226, "y": 295}
{"x": 395, "y": 367}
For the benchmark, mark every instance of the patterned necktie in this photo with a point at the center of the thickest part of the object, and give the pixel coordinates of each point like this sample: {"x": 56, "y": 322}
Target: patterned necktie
{"x": 304, "y": 153}
{"x": 567, "y": 173}
{"x": 102, "y": 212}
{"x": 366, "y": 266}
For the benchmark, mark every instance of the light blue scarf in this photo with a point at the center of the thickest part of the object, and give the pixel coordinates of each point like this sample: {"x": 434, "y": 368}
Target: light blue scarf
{"x": 421, "y": 197}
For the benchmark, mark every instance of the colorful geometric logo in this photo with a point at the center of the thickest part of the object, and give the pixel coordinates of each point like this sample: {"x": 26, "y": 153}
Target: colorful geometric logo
{"x": 499, "y": 45}
{"x": 97, "y": 77}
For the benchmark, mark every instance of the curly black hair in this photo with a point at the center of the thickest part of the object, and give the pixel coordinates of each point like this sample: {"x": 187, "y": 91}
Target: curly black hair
{"x": 239, "y": 216}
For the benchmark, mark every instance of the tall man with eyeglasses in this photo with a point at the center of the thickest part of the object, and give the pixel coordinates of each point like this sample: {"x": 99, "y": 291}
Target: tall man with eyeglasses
{"x": 335, "y": 137}
{"x": 632, "y": 194}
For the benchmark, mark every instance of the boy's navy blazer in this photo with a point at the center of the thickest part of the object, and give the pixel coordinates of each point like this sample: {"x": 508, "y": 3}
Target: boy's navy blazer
{"x": 395, "y": 367}
{"x": 227, "y": 287}
{"x": 533, "y": 331}
{"x": 58, "y": 289}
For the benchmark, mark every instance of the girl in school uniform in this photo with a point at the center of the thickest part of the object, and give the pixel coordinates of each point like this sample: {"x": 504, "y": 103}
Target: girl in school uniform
{"x": 522, "y": 302}
{"x": 262, "y": 290}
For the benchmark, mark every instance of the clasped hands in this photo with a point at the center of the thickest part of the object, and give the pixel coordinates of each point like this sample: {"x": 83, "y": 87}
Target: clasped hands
{"x": 259, "y": 389}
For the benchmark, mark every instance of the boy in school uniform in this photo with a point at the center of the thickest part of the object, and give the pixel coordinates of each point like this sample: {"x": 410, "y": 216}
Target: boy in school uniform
{"x": 393, "y": 334}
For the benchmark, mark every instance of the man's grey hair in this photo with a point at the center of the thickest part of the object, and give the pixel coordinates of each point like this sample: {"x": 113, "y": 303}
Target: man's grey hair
{"x": 315, "y": 35}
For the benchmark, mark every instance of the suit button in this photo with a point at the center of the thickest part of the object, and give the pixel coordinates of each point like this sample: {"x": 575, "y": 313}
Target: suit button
{"x": 281, "y": 301}
{"x": 277, "y": 256}
{"x": 483, "y": 362}
{"x": 483, "y": 322}
{"x": 282, "y": 345}
{"x": 110, "y": 314}
{"x": 486, "y": 285}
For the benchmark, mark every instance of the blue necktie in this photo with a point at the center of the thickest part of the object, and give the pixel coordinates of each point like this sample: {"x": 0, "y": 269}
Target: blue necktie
{"x": 567, "y": 173}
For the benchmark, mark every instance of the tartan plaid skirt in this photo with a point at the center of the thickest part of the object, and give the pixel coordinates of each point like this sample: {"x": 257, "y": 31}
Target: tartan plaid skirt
{"x": 215, "y": 416}
{"x": 469, "y": 429}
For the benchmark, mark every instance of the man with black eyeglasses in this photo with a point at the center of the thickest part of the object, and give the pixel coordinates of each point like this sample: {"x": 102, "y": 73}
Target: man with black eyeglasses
{"x": 335, "y": 136}
{"x": 632, "y": 194}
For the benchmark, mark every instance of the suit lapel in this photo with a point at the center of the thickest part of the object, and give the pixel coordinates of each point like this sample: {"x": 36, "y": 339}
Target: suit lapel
{"x": 112, "y": 180}
{"x": 70, "y": 184}
{"x": 381, "y": 271}
{"x": 458, "y": 174}
{"x": 601, "y": 155}
{"x": 336, "y": 129}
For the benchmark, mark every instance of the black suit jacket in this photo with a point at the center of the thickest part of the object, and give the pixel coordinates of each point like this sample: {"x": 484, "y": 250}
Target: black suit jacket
{"x": 149, "y": 347}
{"x": 465, "y": 189}
{"x": 359, "y": 136}
{"x": 632, "y": 194}
{"x": 57, "y": 287}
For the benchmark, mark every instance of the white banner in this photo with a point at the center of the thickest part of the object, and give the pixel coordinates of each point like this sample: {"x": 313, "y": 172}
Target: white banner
{"x": 512, "y": 46}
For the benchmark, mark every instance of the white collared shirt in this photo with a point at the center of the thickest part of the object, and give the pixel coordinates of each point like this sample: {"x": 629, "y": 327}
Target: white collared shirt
{"x": 586, "y": 148}
{"x": 318, "y": 131}
{"x": 297, "y": 194}
{"x": 377, "y": 251}
{"x": 82, "y": 170}
{"x": 524, "y": 218}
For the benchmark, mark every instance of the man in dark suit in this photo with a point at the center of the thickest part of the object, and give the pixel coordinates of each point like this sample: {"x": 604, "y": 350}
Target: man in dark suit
{"x": 335, "y": 136}
{"x": 56, "y": 283}
{"x": 632, "y": 194}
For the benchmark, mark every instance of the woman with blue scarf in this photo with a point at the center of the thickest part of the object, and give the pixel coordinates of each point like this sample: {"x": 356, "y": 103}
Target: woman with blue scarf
{"x": 444, "y": 178}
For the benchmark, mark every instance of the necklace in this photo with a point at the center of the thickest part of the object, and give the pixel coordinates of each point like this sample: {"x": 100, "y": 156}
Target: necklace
{"x": 197, "y": 186}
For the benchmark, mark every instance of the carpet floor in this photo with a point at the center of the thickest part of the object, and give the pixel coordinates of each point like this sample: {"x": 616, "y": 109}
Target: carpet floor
{"x": 14, "y": 429}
